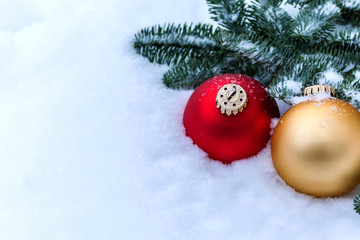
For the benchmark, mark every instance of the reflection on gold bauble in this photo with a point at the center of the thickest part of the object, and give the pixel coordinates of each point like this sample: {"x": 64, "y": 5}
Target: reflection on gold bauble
{"x": 316, "y": 147}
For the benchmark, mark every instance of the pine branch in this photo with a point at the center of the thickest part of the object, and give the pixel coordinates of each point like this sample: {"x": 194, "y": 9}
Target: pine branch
{"x": 190, "y": 74}
{"x": 230, "y": 14}
{"x": 271, "y": 21}
{"x": 301, "y": 3}
{"x": 351, "y": 36}
{"x": 357, "y": 203}
{"x": 304, "y": 71}
{"x": 171, "y": 44}
{"x": 193, "y": 72}
{"x": 349, "y": 88}
{"x": 262, "y": 40}
{"x": 257, "y": 49}
{"x": 344, "y": 45}
{"x": 316, "y": 22}
{"x": 350, "y": 11}
{"x": 263, "y": 54}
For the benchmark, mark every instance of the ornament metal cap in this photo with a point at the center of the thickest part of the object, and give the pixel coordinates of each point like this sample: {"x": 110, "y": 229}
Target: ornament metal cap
{"x": 231, "y": 99}
{"x": 313, "y": 90}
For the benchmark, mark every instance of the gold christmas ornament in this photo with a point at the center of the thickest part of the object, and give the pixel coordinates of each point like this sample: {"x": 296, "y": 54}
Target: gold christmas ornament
{"x": 316, "y": 147}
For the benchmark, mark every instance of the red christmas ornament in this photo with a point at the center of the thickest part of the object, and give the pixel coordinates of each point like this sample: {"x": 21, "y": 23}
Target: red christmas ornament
{"x": 229, "y": 117}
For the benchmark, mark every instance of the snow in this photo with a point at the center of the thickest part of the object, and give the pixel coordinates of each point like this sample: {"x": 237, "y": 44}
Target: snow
{"x": 271, "y": 13}
{"x": 92, "y": 145}
{"x": 199, "y": 41}
{"x": 233, "y": 17}
{"x": 318, "y": 98}
{"x": 351, "y": 3}
{"x": 355, "y": 95}
{"x": 330, "y": 77}
{"x": 350, "y": 90}
{"x": 292, "y": 85}
{"x": 357, "y": 75}
{"x": 328, "y": 8}
{"x": 290, "y": 9}
{"x": 245, "y": 45}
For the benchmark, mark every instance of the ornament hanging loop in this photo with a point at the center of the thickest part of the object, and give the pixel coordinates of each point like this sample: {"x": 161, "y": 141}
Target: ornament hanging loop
{"x": 231, "y": 93}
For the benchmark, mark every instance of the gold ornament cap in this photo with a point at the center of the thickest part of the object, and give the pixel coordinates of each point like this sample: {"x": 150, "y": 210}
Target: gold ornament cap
{"x": 231, "y": 99}
{"x": 313, "y": 90}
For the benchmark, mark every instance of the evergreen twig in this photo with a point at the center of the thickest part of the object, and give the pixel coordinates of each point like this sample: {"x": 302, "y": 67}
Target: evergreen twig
{"x": 357, "y": 203}
{"x": 172, "y": 44}
{"x": 260, "y": 39}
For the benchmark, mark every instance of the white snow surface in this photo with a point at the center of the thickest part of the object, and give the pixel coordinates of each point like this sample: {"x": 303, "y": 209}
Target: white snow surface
{"x": 92, "y": 144}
